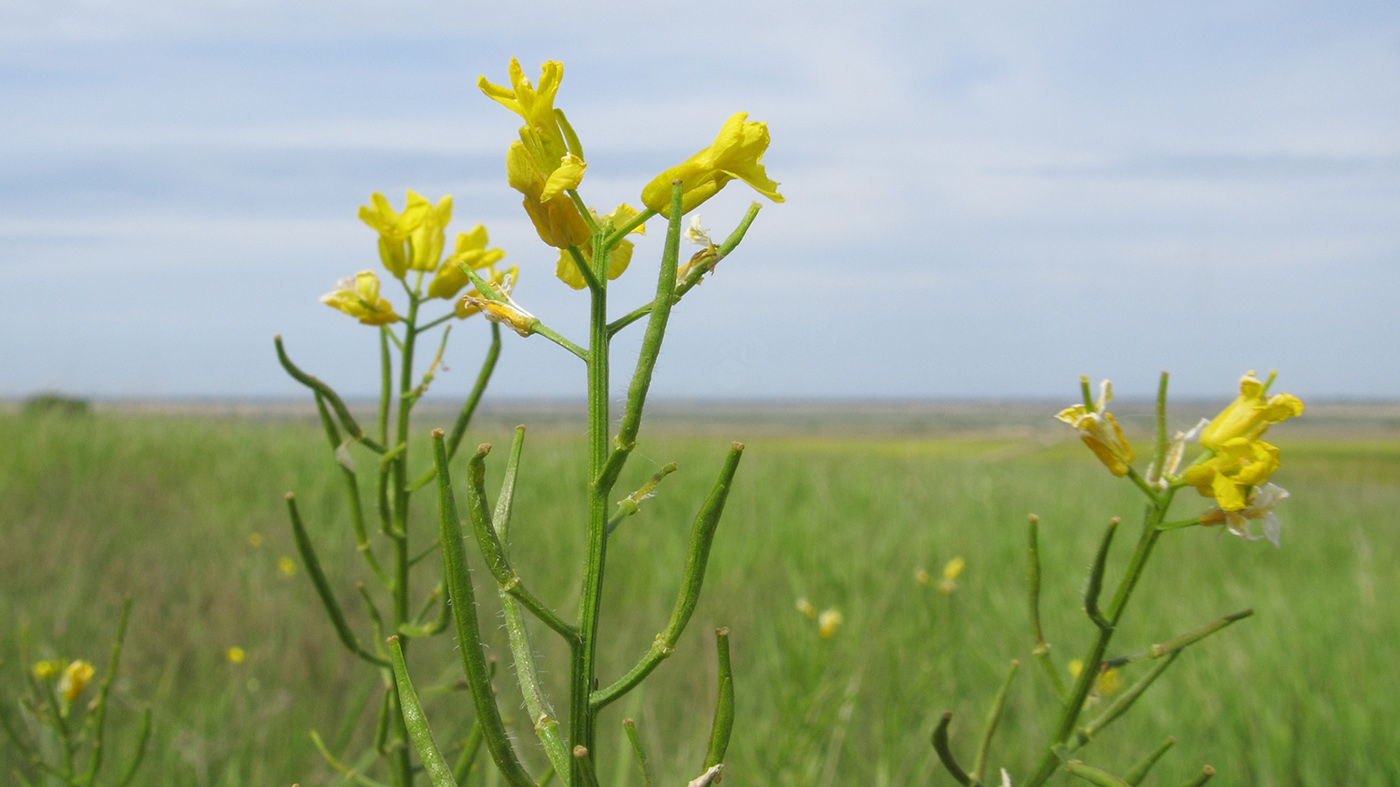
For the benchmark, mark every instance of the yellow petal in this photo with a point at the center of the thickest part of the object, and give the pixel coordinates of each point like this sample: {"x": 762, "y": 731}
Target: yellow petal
{"x": 566, "y": 177}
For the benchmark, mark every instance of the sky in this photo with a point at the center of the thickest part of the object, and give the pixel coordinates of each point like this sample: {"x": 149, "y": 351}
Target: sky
{"x": 983, "y": 200}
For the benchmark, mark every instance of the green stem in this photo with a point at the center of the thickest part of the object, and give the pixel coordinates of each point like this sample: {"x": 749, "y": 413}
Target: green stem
{"x": 400, "y": 494}
{"x": 724, "y": 249}
{"x": 1138, "y": 772}
{"x": 559, "y": 339}
{"x": 139, "y": 753}
{"x": 584, "y": 652}
{"x": 463, "y": 600}
{"x": 527, "y": 675}
{"x": 651, "y": 349}
{"x": 341, "y": 411}
{"x": 323, "y": 587}
{"x": 945, "y": 752}
{"x": 352, "y": 493}
{"x": 99, "y": 711}
{"x": 979, "y": 765}
{"x": 1074, "y": 705}
{"x": 621, "y": 232}
{"x": 1042, "y": 648}
{"x": 386, "y": 383}
{"x": 581, "y": 263}
{"x": 464, "y": 418}
{"x": 702, "y": 535}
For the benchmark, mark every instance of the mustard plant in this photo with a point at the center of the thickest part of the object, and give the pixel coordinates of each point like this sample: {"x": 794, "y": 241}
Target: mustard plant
{"x": 1233, "y": 468}
{"x": 62, "y": 739}
{"x": 546, "y": 165}
{"x": 411, "y": 245}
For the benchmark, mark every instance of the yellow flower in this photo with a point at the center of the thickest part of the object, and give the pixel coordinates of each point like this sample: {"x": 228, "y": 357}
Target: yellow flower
{"x": 542, "y": 165}
{"x": 954, "y": 568}
{"x": 1099, "y": 430}
{"x": 555, "y": 216}
{"x": 425, "y": 242}
{"x": 921, "y": 576}
{"x": 44, "y": 670}
{"x": 359, "y": 298}
{"x": 76, "y": 677}
{"x": 951, "y": 571}
{"x": 287, "y": 566}
{"x": 395, "y": 228}
{"x": 255, "y": 539}
{"x": 618, "y": 259}
{"x": 235, "y": 655}
{"x": 805, "y": 607}
{"x": 736, "y": 153}
{"x": 828, "y": 622}
{"x": 1260, "y": 506}
{"x": 1250, "y": 415}
{"x": 471, "y": 250}
{"x": 1108, "y": 682}
{"x": 543, "y": 131}
{"x": 1238, "y": 464}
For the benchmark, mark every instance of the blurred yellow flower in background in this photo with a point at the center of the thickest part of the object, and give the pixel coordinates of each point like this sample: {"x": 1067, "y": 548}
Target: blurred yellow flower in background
{"x": 951, "y": 571}
{"x": 828, "y": 622}
{"x": 359, "y": 298}
{"x": 1108, "y": 683}
{"x": 737, "y": 152}
{"x": 255, "y": 539}
{"x": 287, "y": 566}
{"x": 1099, "y": 430}
{"x": 76, "y": 677}
{"x": 805, "y": 607}
{"x": 235, "y": 655}
{"x": 43, "y": 670}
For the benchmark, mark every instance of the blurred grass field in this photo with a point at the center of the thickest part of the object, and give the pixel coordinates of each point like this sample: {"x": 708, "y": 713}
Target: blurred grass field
{"x": 840, "y": 509}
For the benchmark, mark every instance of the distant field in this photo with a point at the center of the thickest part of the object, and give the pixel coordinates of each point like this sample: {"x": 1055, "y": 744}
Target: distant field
{"x": 837, "y": 506}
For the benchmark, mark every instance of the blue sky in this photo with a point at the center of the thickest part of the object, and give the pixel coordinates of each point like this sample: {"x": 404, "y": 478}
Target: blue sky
{"x": 983, "y": 200}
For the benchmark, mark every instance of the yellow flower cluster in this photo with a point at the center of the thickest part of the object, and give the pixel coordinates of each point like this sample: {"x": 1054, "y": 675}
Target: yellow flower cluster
{"x": 1242, "y": 461}
{"x": 73, "y": 677}
{"x": 1234, "y": 472}
{"x": 413, "y": 240}
{"x": 546, "y": 165}
{"x": 828, "y": 621}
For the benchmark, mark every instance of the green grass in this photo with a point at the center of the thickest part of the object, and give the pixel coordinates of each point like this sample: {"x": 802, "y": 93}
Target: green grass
{"x": 163, "y": 507}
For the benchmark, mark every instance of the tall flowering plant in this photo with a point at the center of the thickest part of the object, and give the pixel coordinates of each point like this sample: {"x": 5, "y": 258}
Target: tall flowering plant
{"x": 61, "y": 736}
{"x": 411, "y": 245}
{"x": 546, "y": 165}
{"x": 1232, "y": 468}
